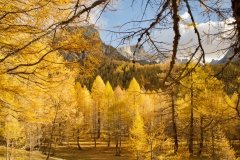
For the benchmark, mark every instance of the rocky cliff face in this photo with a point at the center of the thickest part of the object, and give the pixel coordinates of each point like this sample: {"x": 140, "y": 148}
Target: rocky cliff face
{"x": 128, "y": 51}
{"x": 141, "y": 55}
{"x": 113, "y": 53}
{"x": 225, "y": 59}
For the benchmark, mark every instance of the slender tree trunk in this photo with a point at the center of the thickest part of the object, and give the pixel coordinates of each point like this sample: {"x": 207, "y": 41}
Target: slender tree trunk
{"x": 10, "y": 154}
{"x": 201, "y": 138}
{"x": 60, "y": 134}
{"x": 95, "y": 125}
{"x": 190, "y": 141}
{"x": 236, "y": 15}
{"x": 50, "y": 144}
{"x": 99, "y": 123}
{"x": 30, "y": 143}
{"x": 109, "y": 134}
{"x": 52, "y": 131}
{"x": 120, "y": 144}
{"x": 120, "y": 131}
{"x": 213, "y": 144}
{"x": 43, "y": 141}
{"x": 109, "y": 139}
{"x": 7, "y": 143}
{"x": 117, "y": 147}
{"x": 78, "y": 139}
{"x": 151, "y": 148}
{"x": 174, "y": 125}
{"x": 68, "y": 142}
{"x": 237, "y": 105}
{"x": 95, "y": 142}
{"x": 55, "y": 145}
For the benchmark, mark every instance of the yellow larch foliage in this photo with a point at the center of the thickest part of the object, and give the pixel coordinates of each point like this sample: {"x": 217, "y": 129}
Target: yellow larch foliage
{"x": 138, "y": 137}
{"x": 98, "y": 88}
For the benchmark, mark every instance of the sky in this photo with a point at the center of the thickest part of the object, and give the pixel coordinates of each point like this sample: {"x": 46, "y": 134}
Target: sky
{"x": 121, "y": 12}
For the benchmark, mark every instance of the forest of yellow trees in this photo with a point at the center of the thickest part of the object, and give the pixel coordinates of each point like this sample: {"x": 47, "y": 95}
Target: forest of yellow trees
{"x": 65, "y": 95}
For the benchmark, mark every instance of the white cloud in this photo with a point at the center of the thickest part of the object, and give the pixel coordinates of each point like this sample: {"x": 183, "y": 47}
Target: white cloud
{"x": 185, "y": 15}
{"x": 188, "y": 38}
{"x": 96, "y": 18}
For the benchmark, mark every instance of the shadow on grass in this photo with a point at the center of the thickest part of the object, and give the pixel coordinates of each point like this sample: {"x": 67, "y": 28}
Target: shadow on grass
{"x": 89, "y": 153}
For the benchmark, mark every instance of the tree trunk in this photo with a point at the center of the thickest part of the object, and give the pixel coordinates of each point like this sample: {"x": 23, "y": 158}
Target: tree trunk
{"x": 60, "y": 133}
{"x": 213, "y": 144}
{"x": 43, "y": 141}
{"x": 55, "y": 146}
{"x": 117, "y": 147}
{"x": 120, "y": 145}
{"x": 201, "y": 137}
{"x": 236, "y": 15}
{"x": 7, "y": 143}
{"x": 151, "y": 150}
{"x": 237, "y": 105}
{"x": 137, "y": 155}
{"x": 175, "y": 137}
{"x": 30, "y": 143}
{"x": 10, "y": 154}
{"x": 99, "y": 123}
{"x": 95, "y": 125}
{"x": 78, "y": 139}
{"x": 190, "y": 141}
{"x": 109, "y": 139}
{"x": 95, "y": 139}
{"x": 50, "y": 144}
{"x": 52, "y": 131}
{"x": 68, "y": 142}
{"x": 109, "y": 134}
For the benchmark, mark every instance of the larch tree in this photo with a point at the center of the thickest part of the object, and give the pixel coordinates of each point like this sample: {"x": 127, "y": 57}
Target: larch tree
{"x": 83, "y": 111}
{"x": 13, "y": 133}
{"x": 174, "y": 119}
{"x": 121, "y": 118}
{"x": 134, "y": 95}
{"x": 138, "y": 137}
{"x": 61, "y": 101}
{"x": 223, "y": 149}
{"x": 234, "y": 103}
{"x": 108, "y": 111}
{"x": 204, "y": 110}
{"x": 29, "y": 53}
{"x": 157, "y": 140}
{"x": 191, "y": 86}
{"x": 98, "y": 98}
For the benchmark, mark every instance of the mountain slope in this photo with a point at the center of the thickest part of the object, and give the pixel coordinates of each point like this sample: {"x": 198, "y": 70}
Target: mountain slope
{"x": 226, "y": 58}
